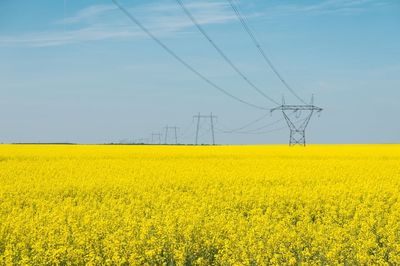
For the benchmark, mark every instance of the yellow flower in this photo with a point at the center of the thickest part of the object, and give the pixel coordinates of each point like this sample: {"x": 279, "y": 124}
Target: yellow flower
{"x": 223, "y": 205}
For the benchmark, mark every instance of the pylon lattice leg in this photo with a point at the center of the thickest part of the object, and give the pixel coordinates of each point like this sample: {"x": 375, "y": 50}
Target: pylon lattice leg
{"x": 297, "y": 137}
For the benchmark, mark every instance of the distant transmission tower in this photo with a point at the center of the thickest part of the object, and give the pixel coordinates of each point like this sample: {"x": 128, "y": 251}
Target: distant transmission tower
{"x": 175, "y": 129}
{"x": 155, "y": 136}
{"x": 297, "y": 130}
{"x": 211, "y": 117}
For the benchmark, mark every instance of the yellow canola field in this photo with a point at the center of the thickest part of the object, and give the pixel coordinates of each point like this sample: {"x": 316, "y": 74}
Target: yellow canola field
{"x": 176, "y": 205}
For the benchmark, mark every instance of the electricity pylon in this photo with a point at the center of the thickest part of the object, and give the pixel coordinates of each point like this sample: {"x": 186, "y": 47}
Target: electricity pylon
{"x": 175, "y": 129}
{"x": 297, "y": 130}
{"x": 211, "y": 117}
{"x": 158, "y": 135}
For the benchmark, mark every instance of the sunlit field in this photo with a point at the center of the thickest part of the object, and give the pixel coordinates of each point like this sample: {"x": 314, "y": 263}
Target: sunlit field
{"x": 176, "y": 205}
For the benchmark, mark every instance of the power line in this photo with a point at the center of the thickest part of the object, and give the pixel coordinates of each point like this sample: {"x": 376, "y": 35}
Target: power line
{"x": 253, "y": 131}
{"x": 260, "y": 49}
{"x": 271, "y": 124}
{"x": 251, "y": 123}
{"x": 260, "y": 133}
{"x": 183, "y": 62}
{"x": 223, "y": 55}
{"x": 265, "y": 126}
{"x": 246, "y": 125}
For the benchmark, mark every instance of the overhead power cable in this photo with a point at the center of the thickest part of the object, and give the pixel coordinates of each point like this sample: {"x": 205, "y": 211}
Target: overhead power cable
{"x": 255, "y": 133}
{"x": 263, "y": 132}
{"x": 256, "y": 130}
{"x": 270, "y": 124}
{"x": 266, "y": 126}
{"x": 263, "y": 127}
{"x": 183, "y": 62}
{"x": 223, "y": 55}
{"x": 246, "y": 125}
{"x": 260, "y": 49}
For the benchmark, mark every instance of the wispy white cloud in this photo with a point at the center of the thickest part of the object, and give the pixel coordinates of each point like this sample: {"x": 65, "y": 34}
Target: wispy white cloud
{"x": 87, "y": 14}
{"x": 103, "y": 22}
{"x": 53, "y": 38}
{"x": 204, "y": 12}
{"x": 345, "y": 7}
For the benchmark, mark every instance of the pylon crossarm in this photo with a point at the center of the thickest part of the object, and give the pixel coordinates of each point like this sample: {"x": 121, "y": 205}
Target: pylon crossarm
{"x": 277, "y": 108}
{"x": 307, "y": 107}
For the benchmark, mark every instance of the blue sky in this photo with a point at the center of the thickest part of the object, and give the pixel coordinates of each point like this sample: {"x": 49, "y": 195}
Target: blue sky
{"x": 80, "y": 71}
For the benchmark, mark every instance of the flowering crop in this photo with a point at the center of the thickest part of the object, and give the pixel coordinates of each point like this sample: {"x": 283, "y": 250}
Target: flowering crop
{"x": 176, "y": 205}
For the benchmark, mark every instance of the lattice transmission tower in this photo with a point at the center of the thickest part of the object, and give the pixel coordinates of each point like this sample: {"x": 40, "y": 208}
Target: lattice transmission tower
{"x": 211, "y": 118}
{"x": 297, "y": 127}
{"x": 175, "y": 130}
